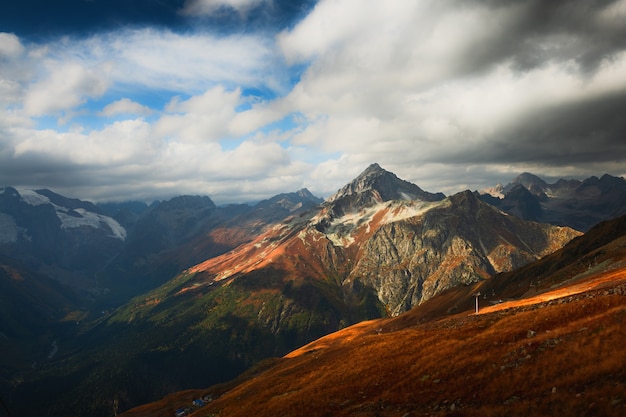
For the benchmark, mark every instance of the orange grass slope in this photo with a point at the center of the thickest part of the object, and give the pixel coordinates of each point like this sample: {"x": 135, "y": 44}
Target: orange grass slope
{"x": 553, "y": 347}
{"x": 547, "y": 358}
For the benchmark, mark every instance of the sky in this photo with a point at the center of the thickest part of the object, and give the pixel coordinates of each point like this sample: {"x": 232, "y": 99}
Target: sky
{"x": 240, "y": 100}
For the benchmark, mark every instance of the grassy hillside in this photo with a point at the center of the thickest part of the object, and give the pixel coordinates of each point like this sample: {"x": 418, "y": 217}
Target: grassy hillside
{"x": 559, "y": 357}
{"x": 548, "y": 341}
{"x": 158, "y": 344}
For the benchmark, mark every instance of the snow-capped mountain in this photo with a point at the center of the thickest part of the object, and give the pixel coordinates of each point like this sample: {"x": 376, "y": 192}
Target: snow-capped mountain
{"x": 71, "y": 214}
{"x": 65, "y": 238}
{"x": 122, "y": 249}
{"x": 381, "y": 239}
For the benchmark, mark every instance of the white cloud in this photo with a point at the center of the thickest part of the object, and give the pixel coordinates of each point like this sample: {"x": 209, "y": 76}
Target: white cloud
{"x": 250, "y": 120}
{"x": 200, "y": 118}
{"x": 188, "y": 62}
{"x": 125, "y": 106}
{"x": 68, "y": 72}
{"x": 125, "y": 142}
{"x": 67, "y": 86}
{"x": 410, "y": 83}
{"x": 13, "y": 70}
{"x": 254, "y": 158}
{"x": 178, "y": 149}
{"x": 10, "y": 45}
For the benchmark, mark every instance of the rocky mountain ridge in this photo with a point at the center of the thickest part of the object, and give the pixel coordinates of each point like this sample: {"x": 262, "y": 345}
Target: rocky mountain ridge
{"x": 405, "y": 250}
{"x": 373, "y": 186}
{"x": 117, "y": 250}
{"x": 248, "y": 282}
{"x": 459, "y": 243}
{"x": 535, "y": 326}
{"x": 573, "y": 203}
{"x": 295, "y": 282}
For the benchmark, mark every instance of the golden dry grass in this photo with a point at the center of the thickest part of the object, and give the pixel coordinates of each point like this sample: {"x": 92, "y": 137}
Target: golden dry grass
{"x": 559, "y": 357}
{"x": 560, "y": 352}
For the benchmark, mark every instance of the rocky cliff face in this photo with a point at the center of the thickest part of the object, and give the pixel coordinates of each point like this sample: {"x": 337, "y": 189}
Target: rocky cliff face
{"x": 458, "y": 242}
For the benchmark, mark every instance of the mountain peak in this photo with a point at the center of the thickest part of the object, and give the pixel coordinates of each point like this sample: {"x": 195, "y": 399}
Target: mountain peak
{"x": 373, "y": 168}
{"x": 376, "y": 185}
{"x": 186, "y": 202}
{"x": 305, "y": 193}
{"x": 529, "y": 181}
{"x": 301, "y": 199}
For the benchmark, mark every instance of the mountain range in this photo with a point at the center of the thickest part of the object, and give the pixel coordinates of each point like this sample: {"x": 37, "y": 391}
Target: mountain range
{"x": 573, "y": 203}
{"x": 547, "y": 340}
{"x": 183, "y": 293}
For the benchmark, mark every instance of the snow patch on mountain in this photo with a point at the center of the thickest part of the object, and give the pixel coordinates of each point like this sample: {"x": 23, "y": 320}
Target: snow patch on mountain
{"x": 415, "y": 208}
{"x": 90, "y": 219}
{"x": 9, "y": 230}
{"x": 77, "y": 217}
{"x": 33, "y": 198}
{"x": 341, "y": 229}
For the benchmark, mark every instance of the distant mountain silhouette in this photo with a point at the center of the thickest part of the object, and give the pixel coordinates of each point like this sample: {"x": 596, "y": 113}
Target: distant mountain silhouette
{"x": 573, "y": 203}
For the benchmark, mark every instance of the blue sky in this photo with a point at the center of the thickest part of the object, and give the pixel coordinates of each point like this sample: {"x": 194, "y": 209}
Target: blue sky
{"x": 244, "y": 99}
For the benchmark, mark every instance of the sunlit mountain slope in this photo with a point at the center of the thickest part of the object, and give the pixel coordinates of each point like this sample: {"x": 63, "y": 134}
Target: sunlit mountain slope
{"x": 552, "y": 345}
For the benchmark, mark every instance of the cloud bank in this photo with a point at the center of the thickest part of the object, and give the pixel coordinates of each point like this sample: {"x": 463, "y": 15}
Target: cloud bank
{"x": 445, "y": 94}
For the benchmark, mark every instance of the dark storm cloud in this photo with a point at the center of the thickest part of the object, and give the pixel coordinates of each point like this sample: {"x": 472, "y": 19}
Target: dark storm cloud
{"x": 592, "y": 131}
{"x": 534, "y": 32}
{"x": 34, "y": 170}
{"x": 579, "y": 35}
